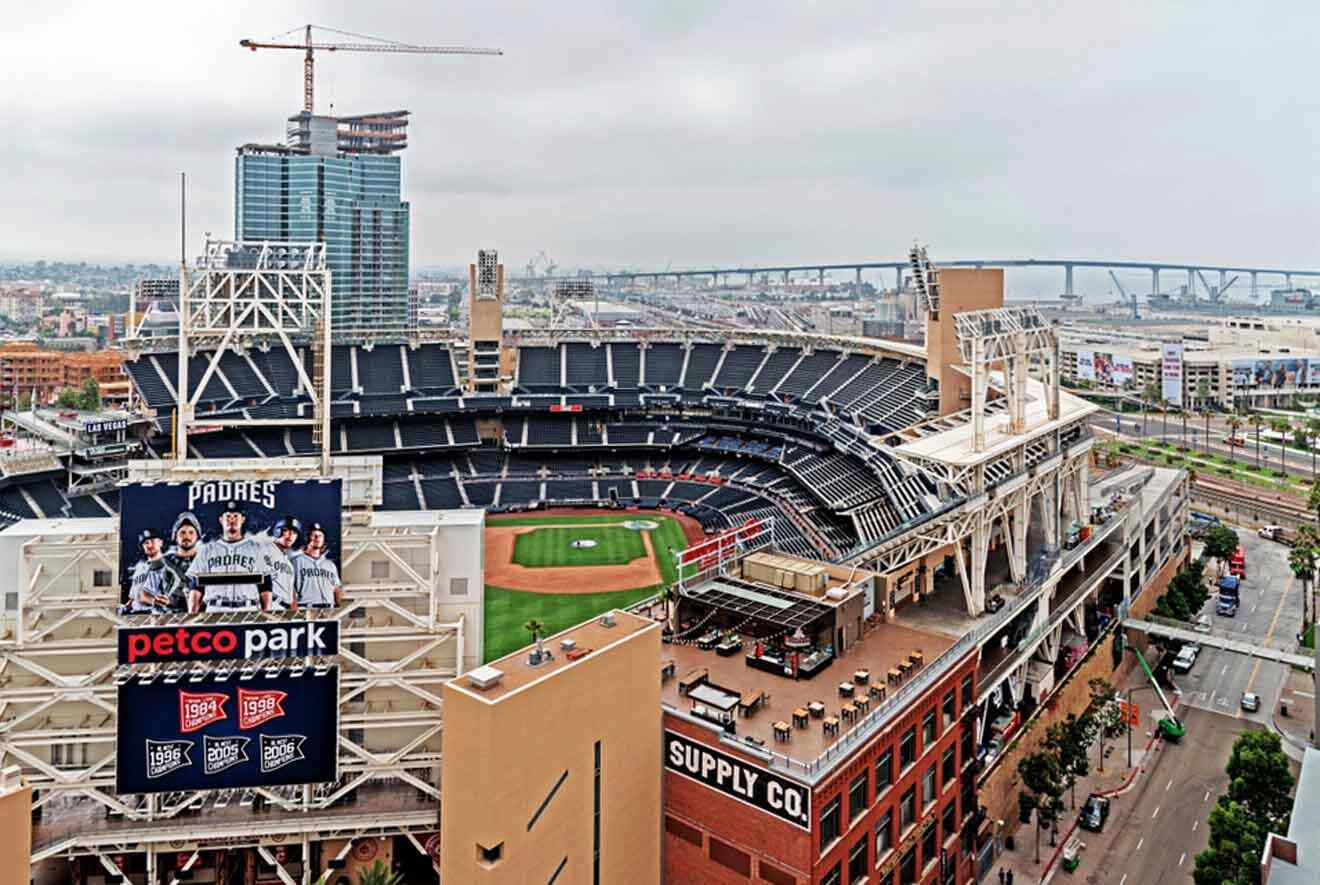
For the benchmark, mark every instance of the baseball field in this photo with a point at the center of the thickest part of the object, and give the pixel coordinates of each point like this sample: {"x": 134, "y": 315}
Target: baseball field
{"x": 565, "y": 566}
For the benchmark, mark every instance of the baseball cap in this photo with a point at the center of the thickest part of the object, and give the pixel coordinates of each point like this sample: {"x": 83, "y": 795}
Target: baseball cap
{"x": 146, "y": 535}
{"x": 234, "y": 507}
{"x": 287, "y": 522}
{"x": 187, "y": 517}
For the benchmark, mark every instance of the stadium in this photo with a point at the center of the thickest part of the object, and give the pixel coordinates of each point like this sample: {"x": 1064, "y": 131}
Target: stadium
{"x": 560, "y": 471}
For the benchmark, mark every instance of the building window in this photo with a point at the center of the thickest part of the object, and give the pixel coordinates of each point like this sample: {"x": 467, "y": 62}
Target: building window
{"x": 907, "y": 809}
{"x": 928, "y": 787}
{"x": 928, "y": 844}
{"x": 490, "y": 855}
{"x": 727, "y": 856}
{"x": 884, "y": 835}
{"x": 907, "y": 867}
{"x": 927, "y": 730}
{"x": 774, "y": 875}
{"x": 101, "y": 577}
{"x": 832, "y": 877}
{"x": 680, "y": 830}
{"x": 458, "y": 586}
{"x": 968, "y": 742}
{"x": 949, "y": 820}
{"x": 949, "y": 765}
{"x": 967, "y": 698}
{"x": 907, "y": 749}
{"x": 857, "y": 865}
{"x": 829, "y": 824}
{"x": 884, "y": 772}
{"x": 950, "y": 709}
{"x": 857, "y": 797}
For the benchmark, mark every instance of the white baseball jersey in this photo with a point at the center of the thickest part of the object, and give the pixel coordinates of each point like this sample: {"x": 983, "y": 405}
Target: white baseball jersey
{"x": 147, "y": 577}
{"x": 316, "y": 579}
{"x": 245, "y": 556}
{"x": 279, "y": 565}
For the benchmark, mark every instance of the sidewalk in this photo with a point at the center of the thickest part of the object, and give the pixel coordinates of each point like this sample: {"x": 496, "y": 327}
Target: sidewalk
{"x": 1298, "y": 694}
{"x": 1114, "y": 781}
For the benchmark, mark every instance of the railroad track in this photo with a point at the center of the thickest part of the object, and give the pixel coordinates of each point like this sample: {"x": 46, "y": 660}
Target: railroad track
{"x": 1255, "y": 506}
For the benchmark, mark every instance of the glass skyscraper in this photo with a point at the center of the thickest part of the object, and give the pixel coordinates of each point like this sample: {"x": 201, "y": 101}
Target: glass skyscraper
{"x": 351, "y": 202}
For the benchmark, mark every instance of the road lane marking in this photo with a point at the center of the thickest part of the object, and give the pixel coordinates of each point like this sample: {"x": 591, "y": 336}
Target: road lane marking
{"x": 1140, "y": 842}
{"x": 1122, "y": 880}
{"x": 1269, "y": 635}
{"x": 1169, "y": 784}
{"x": 1194, "y": 823}
{"x": 1155, "y": 812}
{"x": 1207, "y": 796}
{"x": 1183, "y": 858}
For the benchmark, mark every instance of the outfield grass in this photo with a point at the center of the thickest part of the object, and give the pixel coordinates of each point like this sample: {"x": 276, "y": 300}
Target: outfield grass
{"x": 551, "y": 546}
{"x": 507, "y": 610}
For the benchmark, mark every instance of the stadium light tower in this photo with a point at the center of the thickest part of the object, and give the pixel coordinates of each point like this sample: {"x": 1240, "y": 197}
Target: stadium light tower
{"x": 250, "y": 292}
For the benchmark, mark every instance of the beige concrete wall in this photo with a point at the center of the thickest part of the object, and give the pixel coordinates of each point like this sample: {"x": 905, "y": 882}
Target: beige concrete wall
{"x": 15, "y": 830}
{"x": 502, "y": 759}
{"x": 961, "y": 289}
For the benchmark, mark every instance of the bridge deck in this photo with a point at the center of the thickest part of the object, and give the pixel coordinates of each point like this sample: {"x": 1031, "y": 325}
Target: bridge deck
{"x": 1250, "y": 646}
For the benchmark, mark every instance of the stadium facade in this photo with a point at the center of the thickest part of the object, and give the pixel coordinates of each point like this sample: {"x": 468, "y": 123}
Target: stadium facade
{"x": 956, "y": 477}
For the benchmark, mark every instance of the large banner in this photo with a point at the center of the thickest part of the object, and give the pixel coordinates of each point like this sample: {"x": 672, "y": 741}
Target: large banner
{"x": 227, "y": 732}
{"x": 184, "y": 643}
{"x": 1086, "y": 365}
{"x": 1104, "y": 368}
{"x": 229, "y": 545}
{"x": 1123, "y": 373}
{"x": 1171, "y": 373}
{"x": 1275, "y": 374}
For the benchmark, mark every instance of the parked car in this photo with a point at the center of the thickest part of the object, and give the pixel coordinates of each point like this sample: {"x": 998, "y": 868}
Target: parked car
{"x": 1202, "y": 624}
{"x": 1094, "y": 813}
{"x": 1277, "y": 533}
{"x": 1250, "y": 701}
{"x": 1186, "y": 658}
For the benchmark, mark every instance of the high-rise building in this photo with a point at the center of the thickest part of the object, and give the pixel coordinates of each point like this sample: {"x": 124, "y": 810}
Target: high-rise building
{"x": 341, "y": 186}
{"x": 485, "y": 321}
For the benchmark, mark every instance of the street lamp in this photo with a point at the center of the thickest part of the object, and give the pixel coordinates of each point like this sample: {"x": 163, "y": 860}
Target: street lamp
{"x": 1130, "y": 692}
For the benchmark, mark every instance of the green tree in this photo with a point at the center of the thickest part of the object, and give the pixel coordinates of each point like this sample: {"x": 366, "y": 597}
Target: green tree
{"x": 379, "y": 874}
{"x": 1234, "y": 424}
{"x": 1183, "y": 414}
{"x": 68, "y": 398}
{"x": 1044, "y": 790}
{"x": 1203, "y": 397}
{"x": 1221, "y": 542}
{"x": 1257, "y": 803}
{"x": 1313, "y": 501}
{"x": 1313, "y": 433}
{"x": 89, "y": 395}
{"x": 1301, "y": 559}
{"x": 1068, "y": 741}
{"x": 535, "y": 628}
{"x": 1261, "y": 779}
{"x": 1105, "y": 712}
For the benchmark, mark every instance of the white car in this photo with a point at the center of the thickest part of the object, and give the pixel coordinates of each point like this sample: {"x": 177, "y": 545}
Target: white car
{"x": 1186, "y": 658}
{"x": 1202, "y": 624}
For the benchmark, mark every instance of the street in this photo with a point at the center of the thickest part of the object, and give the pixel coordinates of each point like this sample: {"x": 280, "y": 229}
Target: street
{"x": 1155, "y": 830}
{"x": 1271, "y": 608}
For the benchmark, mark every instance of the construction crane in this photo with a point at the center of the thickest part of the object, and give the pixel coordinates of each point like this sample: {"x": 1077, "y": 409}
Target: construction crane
{"x": 1131, "y": 300}
{"x": 1216, "y": 293}
{"x": 310, "y": 46}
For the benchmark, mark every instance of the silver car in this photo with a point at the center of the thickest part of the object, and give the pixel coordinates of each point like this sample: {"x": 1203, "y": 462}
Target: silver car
{"x": 1250, "y": 701}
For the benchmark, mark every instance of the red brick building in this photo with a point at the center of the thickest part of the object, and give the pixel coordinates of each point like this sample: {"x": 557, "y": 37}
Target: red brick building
{"x": 876, "y": 787}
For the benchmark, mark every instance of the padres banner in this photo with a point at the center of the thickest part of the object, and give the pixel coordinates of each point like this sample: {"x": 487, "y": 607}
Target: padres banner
{"x": 227, "y": 732}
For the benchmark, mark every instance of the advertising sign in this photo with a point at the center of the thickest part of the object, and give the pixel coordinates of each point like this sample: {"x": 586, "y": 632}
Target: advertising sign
{"x": 1275, "y": 374}
{"x": 1171, "y": 373}
{"x": 1123, "y": 373}
{"x": 229, "y": 545}
{"x": 752, "y": 784}
{"x": 227, "y": 733}
{"x": 1104, "y": 368}
{"x": 1086, "y": 365}
{"x": 228, "y": 642}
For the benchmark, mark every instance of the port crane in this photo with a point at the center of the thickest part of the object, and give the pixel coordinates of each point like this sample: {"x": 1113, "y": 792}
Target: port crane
{"x": 1128, "y": 299}
{"x": 309, "y": 47}
{"x": 1216, "y": 293}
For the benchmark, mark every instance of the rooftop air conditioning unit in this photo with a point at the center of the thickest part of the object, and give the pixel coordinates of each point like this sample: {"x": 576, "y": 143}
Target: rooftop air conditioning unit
{"x": 607, "y": 619}
{"x": 485, "y": 677}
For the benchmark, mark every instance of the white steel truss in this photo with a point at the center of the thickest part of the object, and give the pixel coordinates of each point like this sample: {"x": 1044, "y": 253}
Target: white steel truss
{"x": 1011, "y": 339}
{"x": 245, "y": 292}
{"x": 58, "y": 702}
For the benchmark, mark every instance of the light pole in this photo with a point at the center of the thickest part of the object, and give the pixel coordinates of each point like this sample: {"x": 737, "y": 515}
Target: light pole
{"x": 1130, "y": 692}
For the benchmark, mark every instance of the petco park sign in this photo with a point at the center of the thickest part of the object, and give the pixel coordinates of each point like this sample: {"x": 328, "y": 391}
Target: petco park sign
{"x": 221, "y": 642}
{"x": 743, "y": 781}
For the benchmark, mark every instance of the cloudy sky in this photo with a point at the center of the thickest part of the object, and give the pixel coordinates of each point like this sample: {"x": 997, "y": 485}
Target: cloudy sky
{"x": 644, "y": 134}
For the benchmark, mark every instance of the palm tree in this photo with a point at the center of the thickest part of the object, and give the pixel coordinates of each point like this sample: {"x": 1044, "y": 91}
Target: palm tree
{"x": 1302, "y": 562}
{"x": 1280, "y": 426}
{"x": 1164, "y": 421}
{"x": 1313, "y": 430}
{"x": 1148, "y": 395}
{"x": 1256, "y": 421}
{"x": 1183, "y": 413}
{"x": 1234, "y": 422}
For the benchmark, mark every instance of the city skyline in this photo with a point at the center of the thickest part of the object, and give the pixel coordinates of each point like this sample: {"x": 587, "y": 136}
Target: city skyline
{"x": 651, "y": 135}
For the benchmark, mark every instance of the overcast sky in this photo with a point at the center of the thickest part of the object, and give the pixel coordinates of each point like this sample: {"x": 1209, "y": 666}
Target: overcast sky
{"x": 640, "y": 134}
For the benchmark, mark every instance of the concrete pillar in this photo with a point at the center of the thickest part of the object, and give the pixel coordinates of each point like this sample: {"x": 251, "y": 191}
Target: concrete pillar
{"x": 1068, "y": 279}
{"x": 1287, "y": 281}
{"x": 820, "y": 277}
{"x": 1155, "y": 280}
{"x": 1253, "y": 285}
{"x": 785, "y": 278}
{"x": 1191, "y": 284}
{"x": 980, "y": 554}
{"x": 898, "y": 279}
